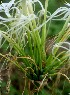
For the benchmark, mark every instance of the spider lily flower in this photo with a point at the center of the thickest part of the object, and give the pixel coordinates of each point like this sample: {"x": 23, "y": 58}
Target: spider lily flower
{"x": 67, "y": 4}
{"x": 5, "y": 7}
{"x": 22, "y": 21}
{"x": 61, "y": 13}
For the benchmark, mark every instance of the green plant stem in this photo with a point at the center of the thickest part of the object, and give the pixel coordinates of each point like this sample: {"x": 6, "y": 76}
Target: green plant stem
{"x": 44, "y": 30}
{"x": 24, "y": 7}
{"x": 25, "y": 12}
{"x": 38, "y": 41}
{"x": 33, "y": 37}
{"x": 29, "y": 41}
{"x": 30, "y": 44}
{"x": 36, "y": 35}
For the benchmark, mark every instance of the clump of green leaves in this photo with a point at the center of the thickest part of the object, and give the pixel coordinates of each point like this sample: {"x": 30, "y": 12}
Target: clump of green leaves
{"x": 25, "y": 33}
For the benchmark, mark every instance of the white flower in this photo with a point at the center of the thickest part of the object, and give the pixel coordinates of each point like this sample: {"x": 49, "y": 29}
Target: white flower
{"x": 5, "y": 7}
{"x": 67, "y": 4}
{"x": 62, "y": 12}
